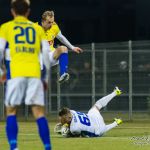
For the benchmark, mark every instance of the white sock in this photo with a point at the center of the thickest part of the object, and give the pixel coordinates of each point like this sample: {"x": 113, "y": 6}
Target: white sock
{"x": 110, "y": 126}
{"x": 105, "y": 100}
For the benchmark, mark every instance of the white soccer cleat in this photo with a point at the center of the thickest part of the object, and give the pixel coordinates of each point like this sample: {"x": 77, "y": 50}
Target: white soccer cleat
{"x": 64, "y": 77}
{"x": 117, "y": 91}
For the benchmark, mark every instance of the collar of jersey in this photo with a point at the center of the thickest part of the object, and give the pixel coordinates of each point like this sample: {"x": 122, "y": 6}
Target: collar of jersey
{"x": 18, "y": 18}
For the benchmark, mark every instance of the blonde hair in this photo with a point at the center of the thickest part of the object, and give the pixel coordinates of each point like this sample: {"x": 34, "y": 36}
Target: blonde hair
{"x": 47, "y": 13}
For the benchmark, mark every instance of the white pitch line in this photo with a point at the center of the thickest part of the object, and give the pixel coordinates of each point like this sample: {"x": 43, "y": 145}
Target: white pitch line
{"x": 133, "y": 128}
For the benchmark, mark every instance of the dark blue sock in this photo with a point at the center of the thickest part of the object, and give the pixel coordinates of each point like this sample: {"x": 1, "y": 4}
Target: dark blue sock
{"x": 12, "y": 131}
{"x": 44, "y": 132}
{"x": 63, "y": 62}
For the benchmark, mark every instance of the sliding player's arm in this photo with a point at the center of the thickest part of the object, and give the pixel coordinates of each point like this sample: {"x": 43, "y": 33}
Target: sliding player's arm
{"x": 64, "y": 130}
{"x": 2, "y": 48}
{"x": 2, "y": 41}
{"x": 64, "y": 40}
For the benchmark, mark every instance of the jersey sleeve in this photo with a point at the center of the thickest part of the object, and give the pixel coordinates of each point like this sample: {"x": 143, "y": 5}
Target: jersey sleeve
{"x": 2, "y": 41}
{"x": 74, "y": 129}
{"x": 3, "y": 32}
{"x": 56, "y": 29}
{"x": 42, "y": 34}
{"x": 40, "y": 31}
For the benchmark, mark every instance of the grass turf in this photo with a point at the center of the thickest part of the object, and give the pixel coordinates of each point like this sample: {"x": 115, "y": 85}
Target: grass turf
{"x": 128, "y": 136}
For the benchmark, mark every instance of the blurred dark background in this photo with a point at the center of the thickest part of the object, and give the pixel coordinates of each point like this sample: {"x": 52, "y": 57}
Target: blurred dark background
{"x": 84, "y": 21}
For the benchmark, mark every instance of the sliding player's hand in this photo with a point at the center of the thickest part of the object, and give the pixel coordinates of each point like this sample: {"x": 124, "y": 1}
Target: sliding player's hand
{"x": 45, "y": 85}
{"x": 77, "y": 50}
{"x": 2, "y": 75}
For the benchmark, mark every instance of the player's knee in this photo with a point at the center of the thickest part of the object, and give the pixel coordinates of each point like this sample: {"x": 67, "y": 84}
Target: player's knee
{"x": 38, "y": 111}
{"x": 63, "y": 49}
{"x": 59, "y": 51}
{"x": 11, "y": 111}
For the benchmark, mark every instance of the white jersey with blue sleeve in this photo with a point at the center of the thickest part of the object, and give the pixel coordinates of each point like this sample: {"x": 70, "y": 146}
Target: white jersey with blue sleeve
{"x": 82, "y": 124}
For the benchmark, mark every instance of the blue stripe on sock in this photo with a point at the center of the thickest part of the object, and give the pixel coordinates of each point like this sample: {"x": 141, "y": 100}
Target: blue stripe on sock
{"x": 47, "y": 146}
{"x": 13, "y": 142}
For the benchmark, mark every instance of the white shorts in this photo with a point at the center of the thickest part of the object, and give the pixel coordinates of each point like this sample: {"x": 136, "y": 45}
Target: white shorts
{"x": 29, "y": 90}
{"x": 53, "y": 61}
{"x": 97, "y": 120}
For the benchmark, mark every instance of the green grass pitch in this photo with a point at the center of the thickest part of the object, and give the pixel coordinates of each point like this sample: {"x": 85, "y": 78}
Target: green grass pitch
{"x": 128, "y": 136}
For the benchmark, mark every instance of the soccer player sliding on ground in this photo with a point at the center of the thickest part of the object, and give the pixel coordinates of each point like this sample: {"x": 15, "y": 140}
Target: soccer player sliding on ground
{"x": 75, "y": 124}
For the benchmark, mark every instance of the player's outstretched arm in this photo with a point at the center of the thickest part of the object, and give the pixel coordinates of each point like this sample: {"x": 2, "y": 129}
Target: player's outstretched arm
{"x": 64, "y": 40}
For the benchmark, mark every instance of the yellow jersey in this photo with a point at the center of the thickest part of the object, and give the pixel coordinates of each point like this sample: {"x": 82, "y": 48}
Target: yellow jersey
{"x": 51, "y": 35}
{"x": 24, "y": 38}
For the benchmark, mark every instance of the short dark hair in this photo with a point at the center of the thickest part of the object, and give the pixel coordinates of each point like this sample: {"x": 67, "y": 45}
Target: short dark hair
{"x": 64, "y": 111}
{"x": 20, "y": 6}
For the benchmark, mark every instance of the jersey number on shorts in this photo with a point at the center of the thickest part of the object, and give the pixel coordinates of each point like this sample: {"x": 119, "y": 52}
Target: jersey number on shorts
{"x": 83, "y": 119}
{"x": 28, "y": 33}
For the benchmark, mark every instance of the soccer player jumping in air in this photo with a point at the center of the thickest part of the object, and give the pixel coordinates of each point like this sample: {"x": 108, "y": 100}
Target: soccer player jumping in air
{"x": 57, "y": 55}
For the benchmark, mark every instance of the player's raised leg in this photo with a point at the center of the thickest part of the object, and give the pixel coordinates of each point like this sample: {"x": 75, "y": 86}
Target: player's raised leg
{"x": 61, "y": 53}
{"x": 106, "y": 99}
{"x": 114, "y": 124}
